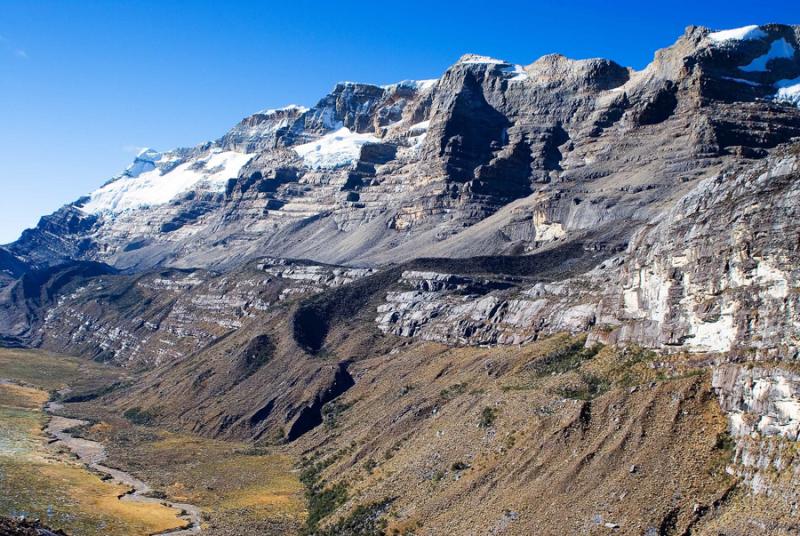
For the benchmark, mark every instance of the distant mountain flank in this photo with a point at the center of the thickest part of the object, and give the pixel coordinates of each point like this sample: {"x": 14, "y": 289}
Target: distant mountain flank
{"x": 556, "y": 298}
{"x": 490, "y": 158}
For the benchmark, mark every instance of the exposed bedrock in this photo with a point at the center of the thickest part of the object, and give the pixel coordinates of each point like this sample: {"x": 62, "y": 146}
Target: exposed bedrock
{"x": 490, "y": 158}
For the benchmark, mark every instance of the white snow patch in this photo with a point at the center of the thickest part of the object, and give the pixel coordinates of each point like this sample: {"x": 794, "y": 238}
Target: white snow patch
{"x": 152, "y": 187}
{"x": 746, "y": 33}
{"x": 419, "y": 85}
{"x": 742, "y": 81}
{"x": 474, "y": 58}
{"x": 780, "y": 48}
{"x": 289, "y": 108}
{"x": 417, "y": 134}
{"x": 422, "y": 126}
{"x": 144, "y": 161}
{"x": 788, "y": 91}
{"x": 333, "y": 150}
{"x": 517, "y": 73}
{"x": 424, "y": 85}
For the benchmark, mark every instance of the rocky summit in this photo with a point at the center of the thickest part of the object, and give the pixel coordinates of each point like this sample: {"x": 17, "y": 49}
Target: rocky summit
{"x": 555, "y": 298}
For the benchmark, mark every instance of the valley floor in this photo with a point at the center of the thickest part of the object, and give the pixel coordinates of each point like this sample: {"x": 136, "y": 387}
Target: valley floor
{"x": 554, "y": 437}
{"x": 239, "y": 490}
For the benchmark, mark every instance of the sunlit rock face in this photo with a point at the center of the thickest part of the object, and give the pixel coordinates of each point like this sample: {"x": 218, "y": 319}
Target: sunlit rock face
{"x": 249, "y": 283}
{"x": 716, "y": 274}
{"x": 763, "y": 408}
{"x": 490, "y": 158}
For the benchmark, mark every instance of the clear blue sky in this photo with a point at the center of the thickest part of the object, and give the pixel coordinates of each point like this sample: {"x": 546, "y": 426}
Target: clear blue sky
{"x": 83, "y": 84}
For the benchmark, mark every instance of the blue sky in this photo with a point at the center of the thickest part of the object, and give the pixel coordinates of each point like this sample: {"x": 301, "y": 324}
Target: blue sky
{"x": 84, "y": 84}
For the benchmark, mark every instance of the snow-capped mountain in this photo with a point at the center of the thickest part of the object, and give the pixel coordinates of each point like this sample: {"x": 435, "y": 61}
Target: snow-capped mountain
{"x": 489, "y": 158}
{"x": 553, "y": 298}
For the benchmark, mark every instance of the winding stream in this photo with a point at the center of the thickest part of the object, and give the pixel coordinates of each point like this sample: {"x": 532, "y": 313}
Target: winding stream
{"x": 93, "y": 454}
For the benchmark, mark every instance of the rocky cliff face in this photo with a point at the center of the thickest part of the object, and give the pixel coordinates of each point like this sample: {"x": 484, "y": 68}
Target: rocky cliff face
{"x": 762, "y": 404}
{"x": 617, "y": 250}
{"x": 490, "y": 158}
{"x": 717, "y": 274}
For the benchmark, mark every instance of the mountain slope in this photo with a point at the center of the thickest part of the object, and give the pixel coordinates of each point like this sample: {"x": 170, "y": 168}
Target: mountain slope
{"x": 374, "y": 174}
{"x": 554, "y": 298}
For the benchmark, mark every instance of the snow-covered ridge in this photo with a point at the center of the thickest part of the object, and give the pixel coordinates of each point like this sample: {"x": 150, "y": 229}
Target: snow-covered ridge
{"x": 516, "y": 73}
{"x": 745, "y": 33}
{"x": 778, "y": 49}
{"x": 144, "y": 161}
{"x": 475, "y": 58}
{"x": 155, "y": 180}
{"x": 418, "y": 85}
{"x": 333, "y": 150}
{"x": 289, "y": 108}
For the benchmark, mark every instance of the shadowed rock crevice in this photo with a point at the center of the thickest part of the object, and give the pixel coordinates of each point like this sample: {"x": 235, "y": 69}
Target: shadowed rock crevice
{"x": 311, "y": 416}
{"x": 258, "y": 352}
{"x": 262, "y": 413}
{"x": 474, "y": 129}
{"x": 315, "y": 316}
{"x": 659, "y": 107}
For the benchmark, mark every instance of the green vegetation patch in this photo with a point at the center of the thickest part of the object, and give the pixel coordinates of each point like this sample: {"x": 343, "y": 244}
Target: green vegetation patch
{"x": 453, "y": 391}
{"x": 565, "y": 359}
{"x": 488, "y": 417}
{"x": 589, "y": 387}
{"x": 322, "y": 500}
{"x": 137, "y": 415}
{"x": 364, "y": 520}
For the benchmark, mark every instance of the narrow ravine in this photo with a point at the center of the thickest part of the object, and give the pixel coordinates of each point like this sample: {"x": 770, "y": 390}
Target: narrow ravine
{"x": 93, "y": 454}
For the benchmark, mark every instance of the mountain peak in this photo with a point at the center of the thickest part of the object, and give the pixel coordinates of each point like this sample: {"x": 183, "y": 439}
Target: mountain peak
{"x": 434, "y": 158}
{"x": 477, "y": 58}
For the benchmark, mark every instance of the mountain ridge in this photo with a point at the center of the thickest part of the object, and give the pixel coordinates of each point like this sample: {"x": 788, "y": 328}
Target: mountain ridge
{"x": 369, "y": 164}
{"x": 561, "y": 297}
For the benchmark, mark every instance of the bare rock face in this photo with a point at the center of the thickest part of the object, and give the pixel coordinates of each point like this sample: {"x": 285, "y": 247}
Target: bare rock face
{"x": 491, "y": 158}
{"x": 715, "y": 275}
{"x": 163, "y": 316}
{"x": 459, "y": 310}
{"x": 496, "y": 205}
{"x": 763, "y": 408}
{"x": 760, "y": 401}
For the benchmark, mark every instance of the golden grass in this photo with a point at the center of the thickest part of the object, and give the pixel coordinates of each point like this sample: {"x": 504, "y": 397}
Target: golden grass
{"x": 18, "y": 396}
{"x": 220, "y": 476}
{"x": 50, "y": 371}
{"x": 68, "y": 496}
{"x": 39, "y": 483}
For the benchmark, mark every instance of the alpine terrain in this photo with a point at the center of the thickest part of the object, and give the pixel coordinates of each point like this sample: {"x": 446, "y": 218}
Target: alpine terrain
{"x": 555, "y": 298}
